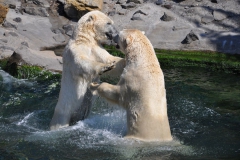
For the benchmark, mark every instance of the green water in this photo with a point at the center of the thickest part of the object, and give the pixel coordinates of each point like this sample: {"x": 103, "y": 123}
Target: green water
{"x": 203, "y": 110}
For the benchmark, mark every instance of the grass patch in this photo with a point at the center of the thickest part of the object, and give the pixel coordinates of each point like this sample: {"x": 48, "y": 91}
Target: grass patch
{"x": 28, "y": 72}
{"x": 180, "y": 58}
{"x": 208, "y": 59}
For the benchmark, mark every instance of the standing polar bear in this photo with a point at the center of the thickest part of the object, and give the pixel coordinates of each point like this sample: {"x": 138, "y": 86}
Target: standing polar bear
{"x": 141, "y": 89}
{"x": 84, "y": 59}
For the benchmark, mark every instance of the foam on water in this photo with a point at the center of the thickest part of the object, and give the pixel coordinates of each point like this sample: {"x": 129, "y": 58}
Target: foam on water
{"x": 106, "y": 132}
{"x": 9, "y": 81}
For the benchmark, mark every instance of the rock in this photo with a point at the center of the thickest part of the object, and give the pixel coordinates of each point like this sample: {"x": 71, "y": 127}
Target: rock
{"x": 129, "y": 5}
{"x": 168, "y": 6}
{"x": 36, "y": 11}
{"x": 166, "y": 17}
{"x": 219, "y": 15}
{"x": 138, "y": 15}
{"x": 121, "y": 1}
{"x": 61, "y": 1}
{"x": 59, "y": 38}
{"x": 7, "y": 24}
{"x": 159, "y": 2}
{"x": 24, "y": 43}
{"x": 45, "y": 59}
{"x": 121, "y": 12}
{"x": 5, "y": 53}
{"x": 6, "y": 48}
{"x": 4, "y": 40}
{"x": 76, "y": 8}
{"x": 111, "y": 13}
{"x": 214, "y": 1}
{"x": 207, "y": 19}
{"x": 3, "y": 13}
{"x": 37, "y": 2}
{"x": 56, "y": 31}
{"x": 135, "y": 1}
{"x": 12, "y": 6}
{"x": 6, "y": 34}
{"x": 17, "y": 19}
{"x": 190, "y": 37}
{"x": 68, "y": 28}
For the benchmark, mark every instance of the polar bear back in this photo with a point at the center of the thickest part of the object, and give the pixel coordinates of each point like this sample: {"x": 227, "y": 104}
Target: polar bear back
{"x": 143, "y": 89}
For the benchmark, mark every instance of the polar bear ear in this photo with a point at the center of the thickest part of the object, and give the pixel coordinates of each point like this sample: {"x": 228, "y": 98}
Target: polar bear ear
{"x": 128, "y": 40}
{"x": 143, "y": 32}
{"x": 90, "y": 18}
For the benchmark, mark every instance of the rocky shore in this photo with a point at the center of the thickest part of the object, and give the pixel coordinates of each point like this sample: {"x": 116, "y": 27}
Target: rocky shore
{"x": 30, "y": 30}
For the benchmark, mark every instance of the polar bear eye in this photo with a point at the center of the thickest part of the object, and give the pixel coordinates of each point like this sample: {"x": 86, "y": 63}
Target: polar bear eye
{"x": 109, "y": 23}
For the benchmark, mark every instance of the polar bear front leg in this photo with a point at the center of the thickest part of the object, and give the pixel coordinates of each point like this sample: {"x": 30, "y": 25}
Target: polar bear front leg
{"x": 59, "y": 120}
{"x": 108, "y": 91}
{"x": 106, "y": 67}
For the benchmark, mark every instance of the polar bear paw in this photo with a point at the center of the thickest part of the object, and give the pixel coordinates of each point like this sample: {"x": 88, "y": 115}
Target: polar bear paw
{"x": 93, "y": 87}
{"x": 107, "y": 67}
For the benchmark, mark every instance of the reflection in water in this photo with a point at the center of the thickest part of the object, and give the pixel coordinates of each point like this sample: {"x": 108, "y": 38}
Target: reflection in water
{"x": 203, "y": 109}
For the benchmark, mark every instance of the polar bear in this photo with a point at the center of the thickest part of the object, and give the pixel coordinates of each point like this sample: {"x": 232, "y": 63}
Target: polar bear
{"x": 140, "y": 90}
{"x": 84, "y": 59}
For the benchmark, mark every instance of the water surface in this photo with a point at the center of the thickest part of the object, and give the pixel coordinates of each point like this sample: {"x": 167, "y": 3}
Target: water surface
{"x": 203, "y": 110}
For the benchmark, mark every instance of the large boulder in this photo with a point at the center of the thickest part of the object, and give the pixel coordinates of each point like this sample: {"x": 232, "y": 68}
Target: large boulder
{"x": 77, "y": 8}
{"x": 44, "y": 59}
{"x": 3, "y": 13}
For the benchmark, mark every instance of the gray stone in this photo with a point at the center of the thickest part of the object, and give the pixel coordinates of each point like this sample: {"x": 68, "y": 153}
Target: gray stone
{"x": 59, "y": 38}
{"x": 135, "y": 1}
{"x": 56, "y": 31}
{"x": 24, "y": 43}
{"x": 6, "y": 48}
{"x": 214, "y": 1}
{"x": 129, "y": 5}
{"x": 68, "y": 28}
{"x": 121, "y": 12}
{"x": 12, "y": 6}
{"x": 17, "y": 19}
{"x": 166, "y": 17}
{"x": 7, "y": 24}
{"x": 190, "y": 37}
{"x": 61, "y": 1}
{"x": 159, "y": 2}
{"x": 5, "y": 53}
{"x": 4, "y": 40}
{"x": 111, "y": 13}
{"x": 6, "y": 34}
{"x": 138, "y": 15}
{"x": 207, "y": 19}
{"x": 37, "y": 11}
{"x": 45, "y": 59}
{"x": 219, "y": 15}
{"x": 121, "y": 1}
{"x": 168, "y": 6}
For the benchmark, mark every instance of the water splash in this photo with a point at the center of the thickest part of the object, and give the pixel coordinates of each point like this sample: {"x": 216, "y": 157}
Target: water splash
{"x": 25, "y": 119}
{"x": 224, "y": 43}
{"x": 9, "y": 81}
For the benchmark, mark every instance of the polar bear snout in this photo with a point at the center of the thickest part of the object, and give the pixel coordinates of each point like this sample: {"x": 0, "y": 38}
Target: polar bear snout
{"x": 111, "y": 31}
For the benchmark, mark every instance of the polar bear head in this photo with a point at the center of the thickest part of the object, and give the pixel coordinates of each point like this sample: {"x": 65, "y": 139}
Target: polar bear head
{"x": 95, "y": 26}
{"x": 130, "y": 39}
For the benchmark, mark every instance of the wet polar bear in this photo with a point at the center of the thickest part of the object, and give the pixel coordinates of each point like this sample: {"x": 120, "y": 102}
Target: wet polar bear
{"x": 141, "y": 89}
{"x": 84, "y": 60}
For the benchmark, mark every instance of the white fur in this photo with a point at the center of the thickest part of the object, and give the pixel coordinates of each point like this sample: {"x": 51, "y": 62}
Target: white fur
{"x": 141, "y": 89}
{"x": 83, "y": 60}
